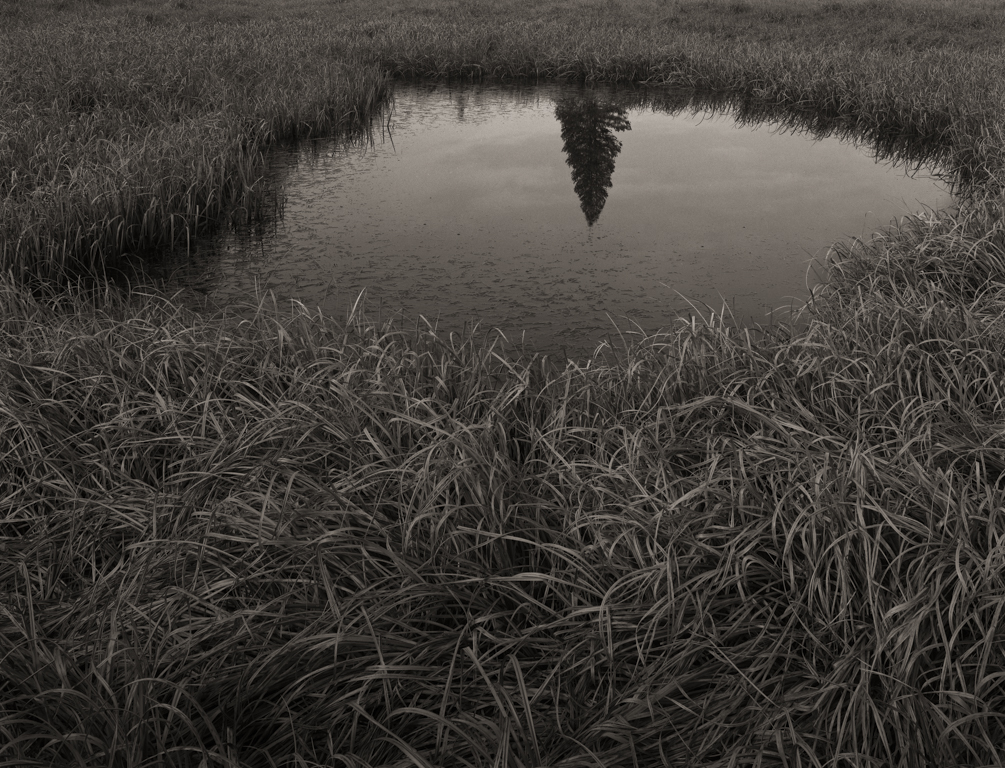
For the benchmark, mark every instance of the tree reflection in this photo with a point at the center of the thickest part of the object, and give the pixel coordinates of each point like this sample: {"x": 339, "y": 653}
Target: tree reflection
{"x": 588, "y": 128}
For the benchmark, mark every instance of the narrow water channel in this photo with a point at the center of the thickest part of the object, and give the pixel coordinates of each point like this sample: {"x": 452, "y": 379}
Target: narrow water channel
{"x": 558, "y": 214}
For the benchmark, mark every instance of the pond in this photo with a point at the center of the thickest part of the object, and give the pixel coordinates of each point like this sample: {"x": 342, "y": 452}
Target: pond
{"x": 559, "y": 214}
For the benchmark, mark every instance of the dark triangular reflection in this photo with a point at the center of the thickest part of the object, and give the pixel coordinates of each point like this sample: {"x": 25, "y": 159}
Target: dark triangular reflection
{"x": 588, "y": 128}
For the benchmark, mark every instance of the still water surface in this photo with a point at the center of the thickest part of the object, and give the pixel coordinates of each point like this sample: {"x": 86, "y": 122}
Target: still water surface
{"x": 554, "y": 212}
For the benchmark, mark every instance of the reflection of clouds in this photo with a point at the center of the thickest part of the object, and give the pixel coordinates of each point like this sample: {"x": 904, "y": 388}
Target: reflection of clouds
{"x": 742, "y": 111}
{"x": 785, "y": 186}
{"x": 490, "y": 170}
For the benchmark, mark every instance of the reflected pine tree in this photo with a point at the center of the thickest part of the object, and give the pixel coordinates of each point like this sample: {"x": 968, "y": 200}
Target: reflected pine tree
{"x": 588, "y": 128}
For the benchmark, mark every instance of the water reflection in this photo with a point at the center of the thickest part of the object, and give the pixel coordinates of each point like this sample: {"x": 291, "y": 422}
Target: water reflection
{"x": 588, "y": 128}
{"x": 460, "y": 209}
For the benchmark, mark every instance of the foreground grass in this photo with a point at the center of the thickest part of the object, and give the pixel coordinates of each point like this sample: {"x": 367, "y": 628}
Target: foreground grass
{"x": 289, "y": 541}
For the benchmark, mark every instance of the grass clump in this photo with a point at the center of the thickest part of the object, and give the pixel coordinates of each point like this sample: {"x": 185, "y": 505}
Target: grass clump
{"x": 267, "y": 538}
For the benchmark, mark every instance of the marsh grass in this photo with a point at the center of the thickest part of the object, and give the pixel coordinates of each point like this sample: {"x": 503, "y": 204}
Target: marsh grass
{"x": 128, "y": 137}
{"x": 272, "y": 539}
{"x": 290, "y": 541}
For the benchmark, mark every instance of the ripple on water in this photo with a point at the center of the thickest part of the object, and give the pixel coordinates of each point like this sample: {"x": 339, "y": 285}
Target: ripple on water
{"x": 553, "y": 210}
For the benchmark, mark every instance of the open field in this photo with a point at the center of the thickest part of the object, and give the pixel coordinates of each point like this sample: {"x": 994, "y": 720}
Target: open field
{"x": 293, "y": 541}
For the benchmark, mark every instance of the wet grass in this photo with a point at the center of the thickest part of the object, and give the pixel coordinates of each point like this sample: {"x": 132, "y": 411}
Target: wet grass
{"x": 290, "y": 541}
{"x": 131, "y": 136}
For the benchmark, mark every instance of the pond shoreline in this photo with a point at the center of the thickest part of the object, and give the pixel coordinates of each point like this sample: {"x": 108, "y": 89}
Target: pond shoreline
{"x": 286, "y": 539}
{"x": 561, "y": 214}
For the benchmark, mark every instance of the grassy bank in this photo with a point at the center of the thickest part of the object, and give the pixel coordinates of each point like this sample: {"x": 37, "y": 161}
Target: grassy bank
{"x": 130, "y": 135}
{"x": 295, "y": 542}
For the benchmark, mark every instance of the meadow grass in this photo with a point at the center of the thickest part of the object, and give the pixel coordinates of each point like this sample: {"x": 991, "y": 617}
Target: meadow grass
{"x": 129, "y": 136}
{"x": 270, "y": 538}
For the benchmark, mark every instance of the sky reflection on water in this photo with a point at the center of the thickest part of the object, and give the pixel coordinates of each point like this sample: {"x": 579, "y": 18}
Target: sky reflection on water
{"x": 467, "y": 206}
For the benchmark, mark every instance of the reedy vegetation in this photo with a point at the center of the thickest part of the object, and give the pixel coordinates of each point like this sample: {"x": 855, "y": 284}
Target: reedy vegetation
{"x": 291, "y": 541}
{"x": 126, "y": 137}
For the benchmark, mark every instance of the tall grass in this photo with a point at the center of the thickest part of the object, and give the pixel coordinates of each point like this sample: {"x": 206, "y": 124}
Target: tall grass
{"x": 129, "y": 136}
{"x": 291, "y": 541}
